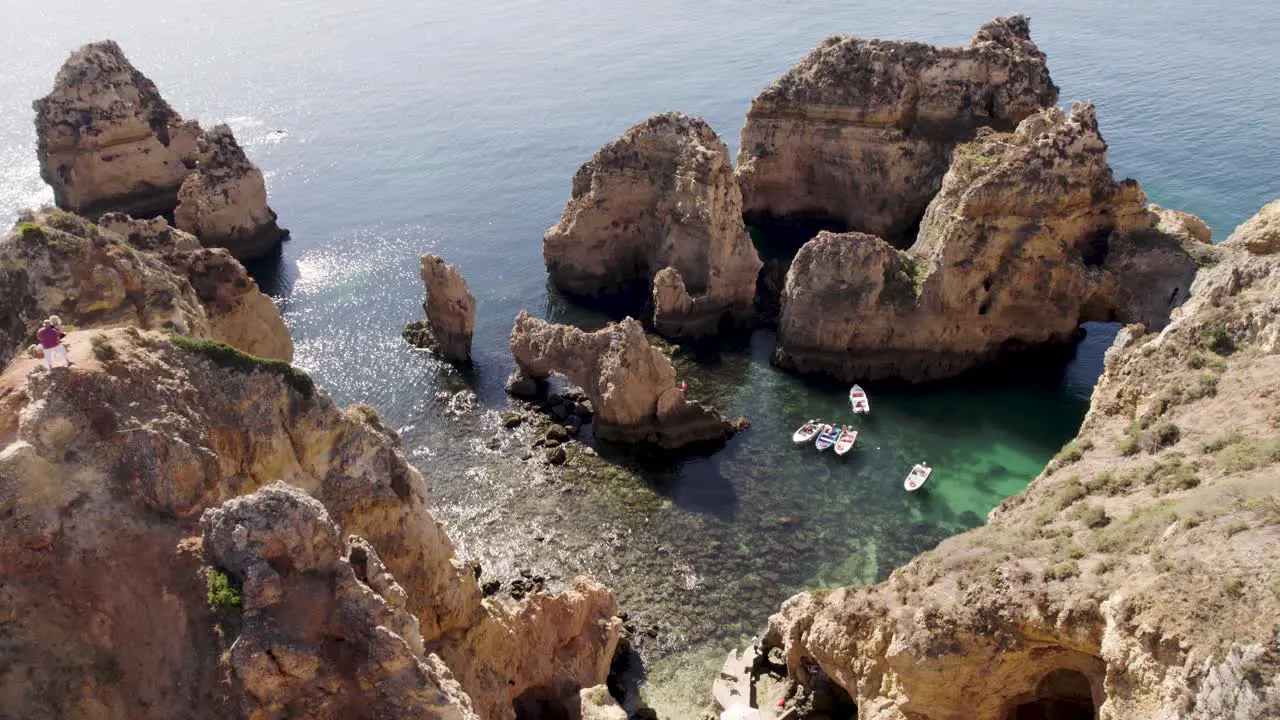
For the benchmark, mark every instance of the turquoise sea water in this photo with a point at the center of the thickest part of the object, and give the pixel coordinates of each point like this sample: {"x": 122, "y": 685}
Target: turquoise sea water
{"x": 455, "y": 128}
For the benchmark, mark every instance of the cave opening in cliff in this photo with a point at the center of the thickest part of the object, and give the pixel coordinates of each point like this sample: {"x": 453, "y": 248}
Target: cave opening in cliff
{"x": 1060, "y": 695}
{"x": 543, "y": 702}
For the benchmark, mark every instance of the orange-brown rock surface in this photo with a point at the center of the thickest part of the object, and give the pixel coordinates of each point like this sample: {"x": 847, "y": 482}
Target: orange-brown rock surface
{"x": 659, "y": 201}
{"x": 451, "y": 312}
{"x": 129, "y": 272}
{"x": 324, "y": 632}
{"x": 631, "y": 384}
{"x": 1136, "y": 577}
{"x": 1029, "y": 236}
{"x": 224, "y": 202}
{"x": 105, "y": 469}
{"x": 107, "y": 141}
{"x": 861, "y": 132}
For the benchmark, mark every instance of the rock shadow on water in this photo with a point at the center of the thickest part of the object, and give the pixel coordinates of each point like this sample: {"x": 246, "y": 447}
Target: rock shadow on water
{"x": 274, "y": 275}
{"x": 690, "y": 478}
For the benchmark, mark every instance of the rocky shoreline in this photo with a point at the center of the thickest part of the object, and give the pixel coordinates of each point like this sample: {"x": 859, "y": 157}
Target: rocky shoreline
{"x": 221, "y": 539}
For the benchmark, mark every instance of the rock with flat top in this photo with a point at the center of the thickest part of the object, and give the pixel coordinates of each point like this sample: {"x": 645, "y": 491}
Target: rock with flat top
{"x": 859, "y": 134}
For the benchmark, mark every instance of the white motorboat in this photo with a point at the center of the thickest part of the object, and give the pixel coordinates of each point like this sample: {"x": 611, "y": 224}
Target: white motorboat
{"x": 859, "y": 400}
{"x": 917, "y": 476}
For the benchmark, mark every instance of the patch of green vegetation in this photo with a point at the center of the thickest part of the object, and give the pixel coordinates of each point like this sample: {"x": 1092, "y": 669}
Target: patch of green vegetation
{"x": 1062, "y": 571}
{"x": 1128, "y": 445}
{"x": 224, "y": 592}
{"x": 1169, "y": 397}
{"x": 1106, "y": 484}
{"x": 1242, "y": 454}
{"x": 1066, "y": 495}
{"x": 1235, "y": 527}
{"x": 1159, "y": 437}
{"x": 1075, "y": 553}
{"x": 1198, "y": 360}
{"x": 1217, "y": 442}
{"x": 1215, "y": 338}
{"x": 30, "y": 230}
{"x": 1103, "y": 566}
{"x": 1137, "y": 530}
{"x": 223, "y": 355}
{"x": 1274, "y": 585}
{"x": 1093, "y": 516}
{"x": 1160, "y": 561}
{"x": 103, "y": 350}
{"x": 1207, "y": 386}
{"x": 1070, "y": 453}
{"x": 1233, "y": 586}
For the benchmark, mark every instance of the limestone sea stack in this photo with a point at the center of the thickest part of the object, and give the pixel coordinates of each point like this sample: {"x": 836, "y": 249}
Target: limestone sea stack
{"x": 106, "y": 469}
{"x": 1134, "y": 578}
{"x": 123, "y": 271}
{"x": 657, "y": 211}
{"x": 451, "y": 313}
{"x": 631, "y": 384}
{"x": 1029, "y": 236}
{"x": 224, "y": 202}
{"x": 108, "y": 142}
{"x": 860, "y": 133}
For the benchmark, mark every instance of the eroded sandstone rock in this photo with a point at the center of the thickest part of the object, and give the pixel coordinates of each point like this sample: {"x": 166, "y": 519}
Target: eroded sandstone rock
{"x": 1259, "y": 235}
{"x": 224, "y": 202}
{"x": 631, "y": 384}
{"x": 451, "y": 312}
{"x": 324, "y": 632}
{"x": 129, "y": 272}
{"x": 1176, "y": 462}
{"x": 107, "y": 140}
{"x": 105, "y": 469}
{"x": 659, "y": 201}
{"x": 861, "y": 132}
{"x": 1029, "y": 236}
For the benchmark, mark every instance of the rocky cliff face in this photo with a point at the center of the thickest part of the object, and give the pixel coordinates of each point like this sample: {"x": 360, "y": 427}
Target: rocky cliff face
{"x": 630, "y": 383}
{"x": 451, "y": 312}
{"x": 129, "y": 272}
{"x": 861, "y": 132}
{"x": 224, "y": 202}
{"x": 318, "y": 614}
{"x": 105, "y": 469}
{"x": 659, "y": 201}
{"x": 1029, "y": 236}
{"x": 1135, "y": 578}
{"x": 107, "y": 141}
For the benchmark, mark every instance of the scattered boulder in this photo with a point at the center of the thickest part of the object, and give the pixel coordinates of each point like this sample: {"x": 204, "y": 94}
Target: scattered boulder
{"x": 366, "y": 652}
{"x": 557, "y": 433}
{"x": 129, "y": 272}
{"x": 224, "y": 202}
{"x": 659, "y": 207}
{"x": 512, "y": 419}
{"x": 859, "y": 134}
{"x": 106, "y": 140}
{"x": 1029, "y": 236}
{"x": 595, "y": 703}
{"x": 526, "y": 388}
{"x": 451, "y": 313}
{"x": 631, "y": 383}
{"x": 556, "y": 455}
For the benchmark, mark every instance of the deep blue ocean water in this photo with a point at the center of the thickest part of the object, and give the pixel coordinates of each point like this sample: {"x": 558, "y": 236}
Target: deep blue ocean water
{"x": 455, "y": 128}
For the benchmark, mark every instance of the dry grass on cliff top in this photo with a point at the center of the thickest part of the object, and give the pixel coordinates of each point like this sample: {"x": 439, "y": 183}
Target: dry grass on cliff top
{"x": 1170, "y": 494}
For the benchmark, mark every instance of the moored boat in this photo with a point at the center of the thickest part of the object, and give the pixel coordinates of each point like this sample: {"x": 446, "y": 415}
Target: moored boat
{"x": 917, "y": 476}
{"x": 858, "y": 400}
{"x": 847, "y": 438}
{"x": 827, "y": 437}
{"x": 806, "y": 432}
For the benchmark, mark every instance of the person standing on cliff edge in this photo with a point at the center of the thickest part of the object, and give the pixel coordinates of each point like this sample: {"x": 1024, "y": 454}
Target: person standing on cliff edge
{"x": 50, "y": 338}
